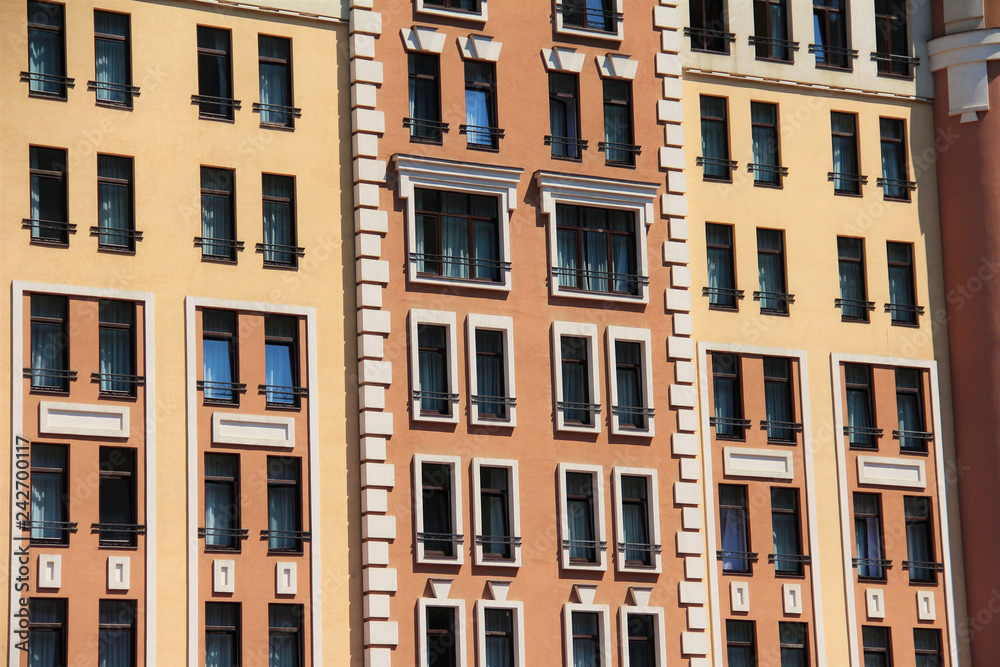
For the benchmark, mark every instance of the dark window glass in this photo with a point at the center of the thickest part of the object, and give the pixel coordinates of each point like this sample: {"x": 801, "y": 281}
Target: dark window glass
{"x": 786, "y": 530}
{"x": 902, "y": 291}
{"x": 281, "y": 360}
{"x": 853, "y": 287}
{"x": 49, "y": 494}
{"x": 118, "y": 497}
{"x": 586, "y": 638}
{"x": 564, "y": 115}
{"x": 734, "y": 528}
{"x": 846, "y": 169}
{"x": 598, "y": 15}
{"x": 491, "y": 375}
{"x": 635, "y": 520}
{"x": 741, "y": 644}
{"x": 576, "y": 390}
{"x": 830, "y": 28}
{"x": 442, "y": 644}
{"x": 279, "y": 221}
{"x": 771, "y": 271}
{"x": 641, "y": 640}
{"x": 708, "y": 26}
{"x": 927, "y": 647}
{"x": 794, "y": 639}
{"x": 770, "y": 22}
{"x": 919, "y": 538}
{"x": 860, "y": 408}
{"x": 619, "y": 140}
{"x": 891, "y": 40}
{"x": 215, "y": 74}
{"x": 115, "y": 203}
{"x": 222, "y": 634}
{"x": 910, "y": 410}
{"x": 715, "y": 139}
{"x": 764, "y": 133}
{"x": 117, "y": 342}
{"x": 877, "y": 646}
{"x": 463, "y": 5}
{"x": 46, "y": 50}
{"x": 435, "y": 394}
{"x": 580, "y": 517}
{"x": 440, "y": 531}
{"x": 49, "y": 220}
{"x": 499, "y": 633}
{"x": 596, "y": 250}
{"x": 220, "y": 368}
{"x": 631, "y": 407}
{"x": 218, "y": 214}
{"x": 721, "y": 269}
{"x": 49, "y": 343}
{"x": 116, "y": 644}
{"x": 895, "y": 172}
{"x": 284, "y": 504}
{"x": 868, "y": 535}
{"x": 481, "y": 126}
{"x": 284, "y": 636}
{"x": 494, "y": 490}
{"x": 727, "y": 396}
{"x": 47, "y": 632}
{"x": 458, "y": 236}
{"x": 112, "y": 59}
{"x": 275, "y": 65}
{"x": 222, "y": 501}
{"x": 778, "y": 405}
{"x": 425, "y": 98}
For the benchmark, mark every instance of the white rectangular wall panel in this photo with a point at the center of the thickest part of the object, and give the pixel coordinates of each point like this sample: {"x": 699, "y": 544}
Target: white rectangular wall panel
{"x": 223, "y": 576}
{"x": 49, "y": 571}
{"x": 119, "y": 573}
{"x": 763, "y": 463}
{"x": 883, "y": 471}
{"x": 229, "y": 428}
{"x": 106, "y": 421}
{"x": 285, "y": 574}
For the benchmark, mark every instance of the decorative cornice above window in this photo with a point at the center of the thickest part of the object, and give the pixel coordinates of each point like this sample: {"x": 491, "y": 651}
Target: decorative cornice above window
{"x": 617, "y": 66}
{"x": 590, "y": 191}
{"x": 560, "y": 59}
{"x": 479, "y": 47}
{"x": 426, "y": 40}
{"x": 452, "y": 175}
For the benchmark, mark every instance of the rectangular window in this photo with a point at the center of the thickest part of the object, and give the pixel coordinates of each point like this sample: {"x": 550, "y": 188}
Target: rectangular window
{"x": 794, "y": 638}
{"x": 913, "y": 435}
{"x": 275, "y": 65}
{"x": 491, "y": 397}
{"x": 460, "y": 5}
{"x": 727, "y": 396}
{"x": 767, "y": 169}
{"x": 741, "y": 643}
{"x": 284, "y": 504}
{"x": 892, "y": 43}
{"x": 117, "y": 341}
{"x": 708, "y": 29}
{"x": 215, "y": 74}
{"x": 597, "y": 251}
{"x": 284, "y": 635}
{"x": 564, "y": 116}
{"x": 599, "y": 15}
{"x": 714, "y": 156}
{"x": 49, "y": 222}
{"x": 582, "y": 530}
{"x": 786, "y": 529}
{"x": 434, "y": 396}
{"x": 281, "y": 361}
{"x": 868, "y": 536}
{"x": 895, "y": 179}
{"x": 778, "y": 404}
{"x": 425, "y": 98}
{"x": 619, "y": 139}
{"x": 222, "y": 502}
{"x": 853, "y": 302}
{"x": 773, "y": 294}
{"x": 734, "y": 529}
{"x": 481, "y": 128}
{"x": 119, "y": 526}
{"x": 458, "y": 236}
{"x": 770, "y": 38}
{"x": 441, "y": 636}
{"x": 50, "y": 494}
{"x": 919, "y": 539}
{"x": 721, "y": 290}
{"x": 47, "y": 632}
{"x": 860, "y": 427}
{"x": 499, "y": 632}
{"x": 587, "y": 650}
{"x": 218, "y": 215}
{"x": 830, "y": 28}
{"x": 220, "y": 365}
{"x": 877, "y": 646}
{"x": 927, "y": 647}
{"x": 49, "y": 369}
{"x": 497, "y": 536}
{"x": 46, "y": 73}
{"x": 279, "y": 245}
{"x": 577, "y": 404}
{"x": 116, "y": 642}
{"x": 638, "y": 546}
{"x": 440, "y": 526}
{"x": 902, "y": 289}
{"x": 112, "y": 59}
{"x": 115, "y": 204}
{"x": 222, "y": 634}
{"x": 641, "y": 629}
{"x": 846, "y": 174}
{"x": 631, "y": 407}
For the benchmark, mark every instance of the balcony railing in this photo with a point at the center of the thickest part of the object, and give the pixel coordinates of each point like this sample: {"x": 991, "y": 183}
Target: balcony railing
{"x": 118, "y": 384}
{"x": 276, "y": 254}
{"x": 780, "y": 431}
{"x": 214, "y": 248}
{"x": 118, "y": 534}
{"x": 706, "y": 39}
{"x": 892, "y": 64}
{"x": 122, "y": 91}
{"x": 38, "y": 226}
{"x": 767, "y": 298}
{"x": 209, "y": 100}
{"x": 923, "y": 565}
{"x": 772, "y": 46}
{"x": 281, "y": 394}
{"x": 742, "y": 561}
{"x": 493, "y": 539}
{"x": 49, "y": 379}
{"x": 63, "y": 528}
{"x": 285, "y": 115}
{"x": 587, "y": 411}
{"x": 723, "y": 297}
{"x": 590, "y": 18}
{"x": 854, "y": 309}
{"x": 115, "y": 238}
{"x": 221, "y": 392}
{"x": 469, "y": 265}
{"x": 566, "y": 147}
{"x": 481, "y": 136}
{"x": 237, "y": 533}
{"x": 425, "y": 130}
{"x": 600, "y": 282}
{"x": 63, "y": 82}
{"x": 616, "y": 153}
{"x": 717, "y": 168}
{"x": 790, "y": 558}
{"x": 896, "y": 188}
{"x": 834, "y": 57}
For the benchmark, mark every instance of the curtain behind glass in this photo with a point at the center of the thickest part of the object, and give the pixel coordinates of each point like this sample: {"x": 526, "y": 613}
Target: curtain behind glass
{"x": 714, "y": 139}
{"x": 909, "y": 408}
{"x": 893, "y": 156}
{"x": 279, "y": 372}
{"x": 595, "y": 250}
{"x": 567, "y": 243}
{"x": 793, "y": 637}
{"x": 114, "y": 206}
{"x": 575, "y": 378}
{"x": 927, "y": 643}
{"x": 581, "y": 517}
{"x": 725, "y": 394}
{"x": 111, "y": 57}
{"x": 479, "y": 112}
{"x": 733, "y": 526}
{"x": 278, "y": 218}
{"x": 221, "y": 504}
{"x": 284, "y": 646}
{"x": 282, "y": 501}
{"x": 433, "y": 367}
{"x": 900, "y": 257}
{"x": 720, "y": 265}
{"x": 499, "y": 636}
{"x": 455, "y": 235}
{"x": 919, "y": 546}
{"x": 48, "y": 340}
{"x": 845, "y": 157}
{"x": 220, "y": 648}
{"x": 785, "y": 528}
{"x": 47, "y": 489}
{"x": 875, "y": 638}
{"x": 777, "y": 397}
{"x": 216, "y": 212}
{"x": 117, "y": 355}
{"x": 217, "y": 367}
{"x": 635, "y": 519}
{"x": 494, "y": 510}
{"x": 275, "y": 86}
{"x": 586, "y": 642}
{"x": 740, "y": 650}
{"x": 563, "y": 113}
{"x": 45, "y": 647}
{"x": 771, "y": 267}
{"x": 867, "y": 534}
{"x": 641, "y": 646}
{"x": 486, "y": 235}
{"x": 765, "y": 140}
{"x": 115, "y": 645}
{"x": 45, "y": 48}
{"x": 617, "y": 120}
{"x": 424, "y": 94}
{"x": 628, "y": 378}
{"x": 852, "y": 281}
{"x": 490, "y": 371}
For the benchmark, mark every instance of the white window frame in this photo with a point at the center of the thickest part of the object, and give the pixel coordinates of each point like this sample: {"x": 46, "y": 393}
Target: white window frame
{"x": 617, "y": 36}
{"x": 579, "y": 330}
{"x": 652, "y": 517}
{"x": 454, "y": 462}
{"x": 604, "y": 613}
{"x": 421, "y": 172}
{"x": 600, "y": 523}
{"x": 645, "y": 340}
{"x": 491, "y": 323}
{"x": 660, "y": 653}
{"x": 518, "y": 609}
{"x": 481, "y": 16}
{"x": 460, "y": 628}
{"x": 514, "y": 509}
{"x": 634, "y": 196}
{"x": 448, "y": 320}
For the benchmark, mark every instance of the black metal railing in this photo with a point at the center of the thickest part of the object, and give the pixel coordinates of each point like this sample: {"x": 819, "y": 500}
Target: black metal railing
{"x": 867, "y": 431}
{"x": 63, "y": 527}
{"x": 923, "y": 565}
{"x": 903, "y": 434}
{"x": 846, "y": 183}
{"x": 603, "y": 282}
{"x": 877, "y": 563}
{"x": 802, "y": 559}
{"x": 644, "y": 547}
{"x": 783, "y": 297}
{"x": 706, "y": 39}
{"x": 221, "y": 392}
{"x": 632, "y": 411}
{"x": 734, "y": 422}
{"x": 769, "y": 174}
{"x": 837, "y": 57}
{"x": 125, "y": 234}
{"x": 473, "y": 264}
{"x": 717, "y": 167}
{"x": 50, "y": 379}
{"x": 282, "y": 394}
{"x": 498, "y": 539}
{"x": 904, "y": 308}
{"x": 218, "y": 248}
{"x": 618, "y": 153}
{"x": 237, "y": 533}
{"x": 742, "y": 561}
{"x": 210, "y": 100}
{"x": 599, "y": 545}
{"x": 723, "y": 297}
{"x": 591, "y": 410}
{"x": 896, "y": 188}
{"x": 894, "y": 64}
{"x": 286, "y": 535}
{"x": 772, "y": 48}
{"x": 36, "y": 225}
{"x": 481, "y": 136}
{"x": 566, "y": 147}
{"x": 781, "y": 431}
{"x": 39, "y": 77}
{"x": 508, "y": 401}
{"x": 450, "y": 538}
{"x": 276, "y": 254}
{"x": 435, "y": 396}
{"x": 118, "y": 534}
{"x": 590, "y": 18}
{"x": 854, "y": 304}
{"x": 118, "y": 384}
{"x": 425, "y": 130}
{"x": 124, "y": 91}
{"x": 285, "y": 115}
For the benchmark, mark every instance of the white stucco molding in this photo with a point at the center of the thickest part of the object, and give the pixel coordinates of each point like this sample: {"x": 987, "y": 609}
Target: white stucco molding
{"x": 965, "y": 56}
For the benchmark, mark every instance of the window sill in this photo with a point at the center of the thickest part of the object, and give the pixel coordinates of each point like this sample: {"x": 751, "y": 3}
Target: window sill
{"x": 484, "y": 148}
{"x": 112, "y": 250}
{"x": 713, "y": 179}
{"x": 776, "y": 61}
{"x": 106, "y": 396}
{"x": 577, "y": 428}
{"x": 725, "y": 309}
{"x": 435, "y": 418}
{"x": 457, "y": 14}
{"x": 457, "y": 559}
{"x": 223, "y": 550}
{"x": 219, "y": 119}
{"x": 914, "y": 452}
{"x": 901, "y": 200}
{"x": 585, "y": 566}
{"x": 593, "y": 33}
{"x": 898, "y": 77}
{"x": 112, "y": 105}
{"x": 496, "y": 422}
{"x": 48, "y": 96}
{"x": 499, "y": 562}
{"x": 218, "y": 260}
{"x": 426, "y": 140}
{"x": 769, "y": 186}
{"x": 277, "y": 407}
{"x": 469, "y": 283}
{"x": 118, "y": 547}
{"x": 49, "y": 391}
{"x": 835, "y": 68}
{"x": 220, "y": 403}
{"x": 633, "y": 431}
{"x": 597, "y": 296}
{"x": 49, "y": 243}
{"x": 277, "y": 126}
{"x": 846, "y": 193}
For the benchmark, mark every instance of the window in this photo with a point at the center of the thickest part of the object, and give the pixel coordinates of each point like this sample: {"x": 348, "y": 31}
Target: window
{"x": 281, "y": 361}
{"x": 49, "y": 369}
{"x": 472, "y": 6}
{"x": 115, "y": 204}
{"x": 778, "y": 404}
{"x": 619, "y": 141}
{"x": 596, "y": 250}
{"x": 721, "y": 290}
{"x": 734, "y": 530}
{"x": 586, "y": 628}
{"x": 491, "y": 376}
{"x": 218, "y": 215}
{"x": 438, "y": 509}
{"x": 222, "y": 502}
{"x": 441, "y": 637}
{"x": 741, "y": 644}
{"x": 222, "y": 634}
{"x": 578, "y": 400}
{"x": 766, "y": 167}
{"x": 637, "y": 519}
{"x": 49, "y": 210}
{"x": 902, "y": 289}
{"x": 279, "y": 221}
{"x": 284, "y": 504}
{"x": 919, "y": 539}
{"x": 284, "y": 635}
{"x": 912, "y": 433}
{"x": 275, "y": 64}
{"x": 631, "y": 372}
{"x": 927, "y": 647}
{"x": 846, "y": 174}
{"x": 112, "y": 60}
{"x": 785, "y": 527}
{"x": 853, "y": 301}
{"x": 590, "y": 15}
{"x": 868, "y": 536}
{"x": 564, "y": 116}
{"x": 46, "y": 75}
{"x": 46, "y": 632}
{"x": 425, "y": 98}
{"x": 116, "y": 643}
{"x": 50, "y": 494}
{"x": 895, "y": 173}
{"x": 860, "y": 408}
{"x": 117, "y": 342}
{"x": 118, "y": 525}
{"x": 708, "y": 26}
{"x": 877, "y": 646}
{"x": 498, "y": 540}
{"x": 220, "y": 365}
{"x": 215, "y": 75}
{"x": 794, "y": 639}
{"x": 715, "y": 140}
{"x": 582, "y": 527}
{"x": 641, "y": 632}
{"x": 773, "y": 295}
{"x": 770, "y": 23}
{"x": 499, "y": 629}
{"x": 892, "y": 45}
{"x": 480, "y": 127}
{"x": 727, "y": 396}
{"x": 830, "y": 27}
{"x": 433, "y": 350}
{"x": 458, "y": 236}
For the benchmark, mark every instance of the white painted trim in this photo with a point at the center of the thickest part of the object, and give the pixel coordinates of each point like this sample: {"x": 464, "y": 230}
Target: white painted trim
{"x": 563, "y": 59}
{"x": 494, "y": 323}
{"x": 461, "y": 629}
{"x": 454, "y": 463}
{"x": 910, "y": 473}
{"x": 645, "y": 340}
{"x": 422, "y": 39}
{"x": 659, "y": 627}
{"x": 579, "y": 330}
{"x": 236, "y": 421}
{"x": 518, "y": 609}
{"x": 737, "y": 462}
{"x": 479, "y": 47}
{"x": 85, "y": 422}
{"x": 616, "y": 36}
{"x": 514, "y": 509}
{"x": 481, "y": 17}
{"x": 449, "y": 321}
{"x": 604, "y": 625}
{"x": 600, "y": 523}
{"x": 653, "y": 517}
